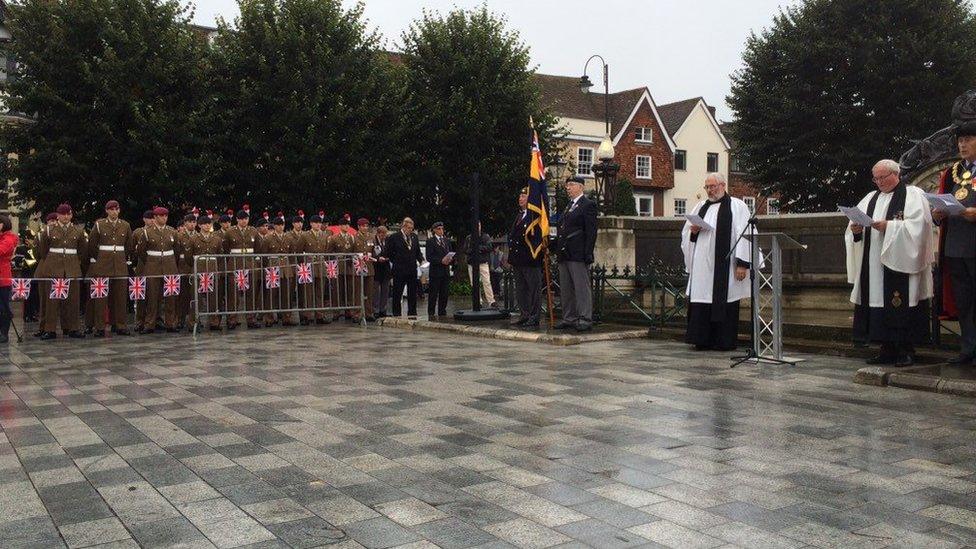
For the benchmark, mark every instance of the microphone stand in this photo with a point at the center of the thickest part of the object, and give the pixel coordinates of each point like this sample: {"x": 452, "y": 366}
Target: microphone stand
{"x": 753, "y": 352}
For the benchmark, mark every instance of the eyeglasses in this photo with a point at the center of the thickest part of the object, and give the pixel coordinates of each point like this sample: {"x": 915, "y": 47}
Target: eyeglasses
{"x": 712, "y": 187}
{"x": 882, "y": 178}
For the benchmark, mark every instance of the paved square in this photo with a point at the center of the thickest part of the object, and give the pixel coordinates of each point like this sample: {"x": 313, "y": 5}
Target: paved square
{"x": 350, "y": 437}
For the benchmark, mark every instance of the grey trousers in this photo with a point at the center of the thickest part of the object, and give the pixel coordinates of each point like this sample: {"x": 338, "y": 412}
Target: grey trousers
{"x": 575, "y": 294}
{"x": 528, "y": 291}
{"x": 381, "y": 295}
{"x": 962, "y": 274}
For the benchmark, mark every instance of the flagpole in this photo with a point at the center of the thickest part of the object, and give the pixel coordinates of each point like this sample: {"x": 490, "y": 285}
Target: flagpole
{"x": 552, "y": 314}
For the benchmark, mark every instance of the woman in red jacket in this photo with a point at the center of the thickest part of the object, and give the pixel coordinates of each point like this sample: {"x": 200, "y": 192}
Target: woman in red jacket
{"x": 8, "y": 245}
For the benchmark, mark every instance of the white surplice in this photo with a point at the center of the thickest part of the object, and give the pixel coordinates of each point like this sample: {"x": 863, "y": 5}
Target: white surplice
{"x": 700, "y": 255}
{"x": 906, "y": 246}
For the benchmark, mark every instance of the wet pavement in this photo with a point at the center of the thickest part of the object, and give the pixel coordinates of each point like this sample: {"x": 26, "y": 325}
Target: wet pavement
{"x": 345, "y": 437}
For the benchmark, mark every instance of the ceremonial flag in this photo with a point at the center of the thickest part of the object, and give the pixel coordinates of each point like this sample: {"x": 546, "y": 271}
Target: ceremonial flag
{"x": 361, "y": 264}
{"x": 99, "y": 287}
{"x": 332, "y": 268}
{"x": 537, "y": 230}
{"x": 171, "y": 285}
{"x": 137, "y": 288}
{"x": 243, "y": 280}
{"x": 304, "y": 273}
{"x": 272, "y": 277}
{"x": 20, "y": 288}
{"x": 59, "y": 288}
{"x": 206, "y": 283}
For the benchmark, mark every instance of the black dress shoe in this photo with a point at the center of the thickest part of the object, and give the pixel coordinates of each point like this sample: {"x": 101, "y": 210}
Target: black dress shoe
{"x": 99, "y": 333}
{"x": 520, "y": 322}
{"x": 172, "y": 330}
{"x": 253, "y": 325}
{"x": 215, "y": 328}
{"x": 531, "y": 323}
{"x": 38, "y": 333}
{"x": 905, "y": 360}
{"x": 962, "y": 358}
{"x": 89, "y": 330}
{"x": 564, "y": 325}
{"x": 48, "y": 335}
{"x": 233, "y": 326}
{"x": 75, "y": 334}
{"x": 584, "y": 327}
{"x": 148, "y": 331}
{"x": 122, "y": 332}
{"x": 881, "y": 359}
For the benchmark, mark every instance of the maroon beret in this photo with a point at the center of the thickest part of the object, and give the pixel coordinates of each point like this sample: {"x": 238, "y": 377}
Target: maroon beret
{"x": 362, "y": 221}
{"x": 112, "y": 205}
{"x": 64, "y": 209}
{"x": 51, "y": 217}
{"x": 159, "y": 210}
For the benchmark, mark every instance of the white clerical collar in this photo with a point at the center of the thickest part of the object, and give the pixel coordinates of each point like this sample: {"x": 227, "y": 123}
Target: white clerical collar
{"x": 575, "y": 200}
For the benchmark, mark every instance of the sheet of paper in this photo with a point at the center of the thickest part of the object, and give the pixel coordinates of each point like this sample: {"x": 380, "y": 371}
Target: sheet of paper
{"x": 697, "y": 221}
{"x": 856, "y": 216}
{"x": 945, "y": 203}
{"x": 450, "y": 254}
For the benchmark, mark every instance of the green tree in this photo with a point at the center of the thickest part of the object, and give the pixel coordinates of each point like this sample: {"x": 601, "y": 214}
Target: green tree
{"x": 305, "y": 111}
{"x": 834, "y": 85}
{"x": 112, "y": 88}
{"x": 623, "y": 198}
{"x": 470, "y": 94}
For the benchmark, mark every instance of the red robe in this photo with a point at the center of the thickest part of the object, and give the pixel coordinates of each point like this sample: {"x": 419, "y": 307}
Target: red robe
{"x": 949, "y": 311}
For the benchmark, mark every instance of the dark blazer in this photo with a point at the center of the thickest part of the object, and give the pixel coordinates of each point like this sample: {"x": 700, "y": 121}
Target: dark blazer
{"x": 404, "y": 259}
{"x": 577, "y": 232}
{"x": 435, "y": 254}
{"x": 518, "y": 251}
{"x": 381, "y": 269}
{"x": 477, "y": 254}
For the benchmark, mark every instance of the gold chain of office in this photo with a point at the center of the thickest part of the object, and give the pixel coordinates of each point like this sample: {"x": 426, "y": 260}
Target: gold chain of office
{"x": 962, "y": 180}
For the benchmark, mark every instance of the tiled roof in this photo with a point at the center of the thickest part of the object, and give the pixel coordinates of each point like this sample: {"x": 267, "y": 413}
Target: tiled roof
{"x": 563, "y": 95}
{"x": 673, "y": 115}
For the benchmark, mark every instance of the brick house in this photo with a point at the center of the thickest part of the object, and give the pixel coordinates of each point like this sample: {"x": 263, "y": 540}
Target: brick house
{"x": 741, "y": 184}
{"x": 642, "y": 146}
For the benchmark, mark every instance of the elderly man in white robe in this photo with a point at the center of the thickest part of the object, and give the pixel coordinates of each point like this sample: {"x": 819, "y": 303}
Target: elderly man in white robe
{"x": 890, "y": 266}
{"x": 717, "y": 279}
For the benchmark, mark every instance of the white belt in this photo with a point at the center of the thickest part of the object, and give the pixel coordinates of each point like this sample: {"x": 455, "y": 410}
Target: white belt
{"x": 65, "y": 251}
{"x": 112, "y": 248}
{"x": 156, "y": 253}
{"x": 242, "y": 251}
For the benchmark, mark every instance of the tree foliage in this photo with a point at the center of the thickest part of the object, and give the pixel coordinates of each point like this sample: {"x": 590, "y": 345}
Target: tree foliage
{"x": 835, "y": 85}
{"x": 305, "y": 109}
{"x": 470, "y": 94}
{"x": 113, "y": 88}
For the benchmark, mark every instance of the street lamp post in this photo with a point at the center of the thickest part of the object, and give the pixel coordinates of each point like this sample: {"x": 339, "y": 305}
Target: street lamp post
{"x": 605, "y": 172}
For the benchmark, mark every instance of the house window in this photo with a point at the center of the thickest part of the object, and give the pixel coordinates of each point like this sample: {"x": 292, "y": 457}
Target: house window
{"x": 645, "y": 205}
{"x": 584, "y": 161}
{"x": 751, "y": 202}
{"x": 643, "y": 167}
{"x": 734, "y": 163}
{"x": 680, "y": 160}
{"x": 680, "y": 206}
{"x": 772, "y": 206}
{"x": 643, "y": 135}
{"x": 712, "y": 164}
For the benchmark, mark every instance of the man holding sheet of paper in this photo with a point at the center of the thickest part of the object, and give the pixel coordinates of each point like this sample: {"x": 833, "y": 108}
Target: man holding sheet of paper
{"x": 957, "y": 239}
{"x": 716, "y": 279}
{"x": 890, "y": 266}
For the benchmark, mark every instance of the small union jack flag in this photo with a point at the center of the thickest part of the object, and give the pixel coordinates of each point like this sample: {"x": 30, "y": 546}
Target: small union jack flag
{"x": 332, "y": 268}
{"x": 171, "y": 285}
{"x": 137, "y": 288}
{"x": 272, "y": 277}
{"x": 99, "y": 287}
{"x": 361, "y": 264}
{"x": 20, "y": 288}
{"x": 59, "y": 288}
{"x": 206, "y": 283}
{"x": 304, "y": 273}
{"x": 243, "y": 280}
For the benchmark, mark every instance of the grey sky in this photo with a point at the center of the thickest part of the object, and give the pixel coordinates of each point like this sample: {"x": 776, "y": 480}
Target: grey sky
{"x": 677, "y": 48}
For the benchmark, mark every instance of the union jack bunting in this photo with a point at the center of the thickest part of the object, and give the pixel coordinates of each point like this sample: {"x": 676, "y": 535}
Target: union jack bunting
{"x": 304, "y": 273}
{"x": 243, "y": 280}
{"x": 332, "y": 268}
{"x": 99, "y": 287}
{"x": 272, "y": 277}
{"x": 206, "y": 283}
{"x": 171, "y": 285}
{"x": 20, "y": 288}
{"x": 361, "y": 264}
{"x": 137, "y": 288}
{"x": 59, "y": 288}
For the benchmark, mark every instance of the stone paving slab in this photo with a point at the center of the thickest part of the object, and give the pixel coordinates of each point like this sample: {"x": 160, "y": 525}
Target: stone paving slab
{"x": 494, "y": 330}
{"x": 938, "y": 378}
{"x": 350, "y": 437}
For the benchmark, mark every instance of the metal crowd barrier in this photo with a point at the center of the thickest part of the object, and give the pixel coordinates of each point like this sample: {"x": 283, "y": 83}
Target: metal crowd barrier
{"x": 249, "y": 287}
